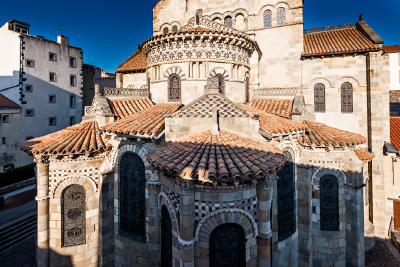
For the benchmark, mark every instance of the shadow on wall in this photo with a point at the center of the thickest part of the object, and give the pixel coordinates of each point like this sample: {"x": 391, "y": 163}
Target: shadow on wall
{"x": 59, "y": 260}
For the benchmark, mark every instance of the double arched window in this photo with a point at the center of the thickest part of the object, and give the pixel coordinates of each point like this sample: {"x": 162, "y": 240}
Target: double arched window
{"x": 174, "y": 88}
{"x": 329, "y": 203}
{"x": 319, "y": 97}
{"x": 286, "y": 198}
{"x": 228, "y": 21}
{"x": 347, "y": 97}
{"x": 267, "y": 19}
{"x": 281, "y": 16}
{"x": 132, "y": 200}
{"x": 73, "y": 216}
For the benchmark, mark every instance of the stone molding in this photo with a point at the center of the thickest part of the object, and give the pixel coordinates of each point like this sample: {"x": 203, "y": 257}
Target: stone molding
{"x": 325, "y": 171}
{"x": 243, "y": 215}
{"x": 174, "y": 70}
{"x": 163, "y": 200}
{"x": 290, "y": 91}
{"x": 70, "y": 180}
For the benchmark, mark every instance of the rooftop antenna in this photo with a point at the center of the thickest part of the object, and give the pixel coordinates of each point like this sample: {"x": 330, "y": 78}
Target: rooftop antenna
{"x": 59, "y": 28}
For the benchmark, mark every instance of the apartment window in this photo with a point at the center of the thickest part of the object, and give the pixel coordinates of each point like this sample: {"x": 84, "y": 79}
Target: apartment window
{"x": 52, "y": 77}
{"x": 72, "y": 62}
{"x": 8, "y": 167}
{"x": 52, "y": 56}
{"x": 52, "y": 121}
{"x": 5, "y": 118}
{"x": 281, "y": 16}
{"x": 30, "y": 63}
{"x": 29, "y": 113}
{"x": 71, "y": 121}
{"x": 28, "y": 88}
{"x": 28, "y": 138}
{"x": 228, "y": 21}
{"x": 3, "y": 140}
{"x": 72, "y": 80}
{"x": 52, "y": 98}
{"x": 72, "y": 101}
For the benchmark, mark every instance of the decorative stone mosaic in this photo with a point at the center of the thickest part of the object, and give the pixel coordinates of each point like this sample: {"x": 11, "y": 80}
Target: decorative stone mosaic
{"x": 55, "y": 176}
{"x": 174, "y": 197}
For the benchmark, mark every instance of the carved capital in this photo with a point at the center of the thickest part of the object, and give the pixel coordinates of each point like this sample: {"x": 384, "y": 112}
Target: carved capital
{"x": 41, "y": 160}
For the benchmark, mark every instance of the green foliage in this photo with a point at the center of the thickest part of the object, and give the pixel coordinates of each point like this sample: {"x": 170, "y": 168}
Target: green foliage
{"x": 17, "y": 175}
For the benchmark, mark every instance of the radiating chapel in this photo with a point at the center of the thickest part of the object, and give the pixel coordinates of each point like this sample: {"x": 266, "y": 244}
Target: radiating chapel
{"x": 234, "y": 138}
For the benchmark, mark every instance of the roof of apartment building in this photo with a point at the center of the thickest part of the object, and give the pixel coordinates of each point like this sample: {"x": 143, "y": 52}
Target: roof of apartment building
{"x": 391, "y": 48}
{"x": 341, "y": 39}
{"x": 137, "y": 62}
{"x": 6, "y": 103}
{"x": 395, "y": 131}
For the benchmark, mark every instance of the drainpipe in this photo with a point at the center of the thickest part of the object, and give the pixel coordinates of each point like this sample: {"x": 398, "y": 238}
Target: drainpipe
{"x": 369, "y": 118}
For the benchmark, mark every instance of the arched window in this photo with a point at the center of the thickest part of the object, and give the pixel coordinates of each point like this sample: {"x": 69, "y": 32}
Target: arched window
{"x": 267, "y": 19}
{"x": 166, "y": 238}
{"x": 247, "y": 89}
{"x": 132, "y": 200}
{"x": 227, "y": 246}
{"x": 228, "y": 21}
{"x": 347, "y": 97}
{"x": 319, "y": 97}
{"x": 329, "y": 203}
{"x": 174, "y": 84}
{"x": 73, "y": 216}
{"x": 286, "y": 199}
{"x": 281, "y": 16}
{"x": 165, "y": 30}
{"x": 174, "y": 28}
{"x": 221, "y": 83}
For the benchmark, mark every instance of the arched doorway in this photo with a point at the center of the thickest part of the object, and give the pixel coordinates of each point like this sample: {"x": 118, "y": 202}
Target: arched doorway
{"x": 221, "y": 84}
{"x": 166, "y": 238}
{"x": 227, "y": 246}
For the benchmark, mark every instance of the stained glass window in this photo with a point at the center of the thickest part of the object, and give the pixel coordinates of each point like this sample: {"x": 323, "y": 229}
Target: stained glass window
{"x": 319, "y": 97}
{"x": 347, "y": 97}
{"x": 281, "y": 16}
{"x": 267, "y": 19}
{"x": 73, "y": 216}
{"x": 227, "y": 246}
{"x": 286, "y": 199}
{"x": 329, "y": 202}
{"x": 221, "y": 83}
{"x": 132, "y": 197}
{"x": 228, "y": 21}
{"x": 174, "y": 88}
{"x": 166, "y": 238}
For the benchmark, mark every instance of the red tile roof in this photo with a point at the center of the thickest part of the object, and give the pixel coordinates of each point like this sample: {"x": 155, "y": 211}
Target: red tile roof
{"x": 77, "y": 139}
{"x": 137, "y": 62}
{"x": 322, "y": 135}
{"x": 6, "y": 103}
{"x": 149, "y": 122}
{"x": 395, "y": 131}
{"x": 341, "y": 40}
{"x": 282, "y": 108}
{"x": 391, "y": 48}
{"x": 363, "y": 154}
{"x": 128, "y": 107}
{"x": 221, "y": 158}
{"x": 273, "y": 124}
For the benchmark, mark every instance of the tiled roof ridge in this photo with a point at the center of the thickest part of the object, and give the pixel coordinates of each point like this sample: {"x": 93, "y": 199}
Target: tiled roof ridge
{"x": 330, "y": 28}
{"x": 77, "y": 139}
{"x": 224, "y": 158}
{"x": 6, "y": 103}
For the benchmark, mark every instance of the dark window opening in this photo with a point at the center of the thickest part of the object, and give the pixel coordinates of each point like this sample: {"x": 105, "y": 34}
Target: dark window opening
{"x": 174, "y": 28}
{"x": 29, "y": 113}
{"x": 329, "y": 202}
{"x": 228, "y": 21}
{"x": 221, "y": 84}
{"x": 267, "y": 19}
{"x": 52, "y": 57}
{"x": 52, "y": 121}
{"x": 52, "y": 98}
{"x": 166, "y": 238}
{"x": 281, "y": 16}
{"x": 347, "y": 97}
{"x": 319, "y": 97}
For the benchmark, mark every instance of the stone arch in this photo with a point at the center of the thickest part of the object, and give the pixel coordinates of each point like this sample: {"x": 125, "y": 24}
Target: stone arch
{"x": 85, "y": 181}
{"x": 242, "y": 218}
{"x": 174, "y": 70}
{"x": 354, "y": 82}
{"x": 216, "y": 15}
{"x": 176, "y": 23}
{"x": 240, "y": 11}
{"x": 164, "y": 201}
{"x": 325, "y": 171}
{"x": 266, "y": 7}
{"x": 219, "y": 70}
{"x": 282, "y": 4}
{"x": 322, "y": 80}
{"x": 293, "y": 147}
{"x": 165, "y": 25}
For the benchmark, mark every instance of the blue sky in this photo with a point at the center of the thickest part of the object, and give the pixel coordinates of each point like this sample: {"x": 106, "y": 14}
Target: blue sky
{"x": 109, "y": 31}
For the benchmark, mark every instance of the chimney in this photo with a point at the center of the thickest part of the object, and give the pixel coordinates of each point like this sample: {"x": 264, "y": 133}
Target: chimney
{"x": 61, "y": 39}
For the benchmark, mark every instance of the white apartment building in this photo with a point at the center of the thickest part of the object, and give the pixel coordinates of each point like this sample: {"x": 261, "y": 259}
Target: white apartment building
{"x": 44, "y": 78}
{"x": 394, "y": 66}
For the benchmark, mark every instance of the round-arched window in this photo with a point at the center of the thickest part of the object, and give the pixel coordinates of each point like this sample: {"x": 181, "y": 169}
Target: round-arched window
{"x": 228, "y": 21}
{"x": 174, "y": 28}
{"x": 174, "y": 84}
{"x": 267, "y": 19}
{"x": 165, "y": 30}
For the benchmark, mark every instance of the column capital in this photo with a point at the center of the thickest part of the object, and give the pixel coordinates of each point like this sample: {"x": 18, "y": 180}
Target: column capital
{"x": 42, "y": 160}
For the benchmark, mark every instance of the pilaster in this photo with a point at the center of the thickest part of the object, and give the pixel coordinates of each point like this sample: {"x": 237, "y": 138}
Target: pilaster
{"x": 186, "y": 230}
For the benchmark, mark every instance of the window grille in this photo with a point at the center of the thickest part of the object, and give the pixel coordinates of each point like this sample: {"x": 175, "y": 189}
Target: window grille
{"x": 286, "y": 199}
{"x": 174, "y": 84}
{"x": 132, "y": 197}
{"x": 281, "y": 16}
{"x": 329, "y": 203}
{"x": 347, "y": 97}
{"x": 267, "y": 19}
{"x": 319, "y": 97}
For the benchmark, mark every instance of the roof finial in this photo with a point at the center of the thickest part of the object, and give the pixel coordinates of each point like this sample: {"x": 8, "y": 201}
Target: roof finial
{"x": 361, "y": 17}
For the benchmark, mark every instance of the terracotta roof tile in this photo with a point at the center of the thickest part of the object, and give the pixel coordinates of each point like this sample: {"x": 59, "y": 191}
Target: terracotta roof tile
{"x": 77, "y": 139}
{"x": 337, "y": 41}
{"x": 149, "y": 122}
{"x": 6, "y": 103}
{"x": 137, "y": 62}
{"x": 395, "y": 131}
{"x": 128, "y": 107}
{"x": 363, "y": 154}
{"x": 279, "y": 107}
{"x": 221, "y": 158}
{"x": 273, "y": 124}
{"x": 322, "y": 135}
{"x": 391, "y": 48}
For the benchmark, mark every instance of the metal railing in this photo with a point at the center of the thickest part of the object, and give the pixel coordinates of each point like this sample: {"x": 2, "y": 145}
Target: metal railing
{"x": 330, "y": 28}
